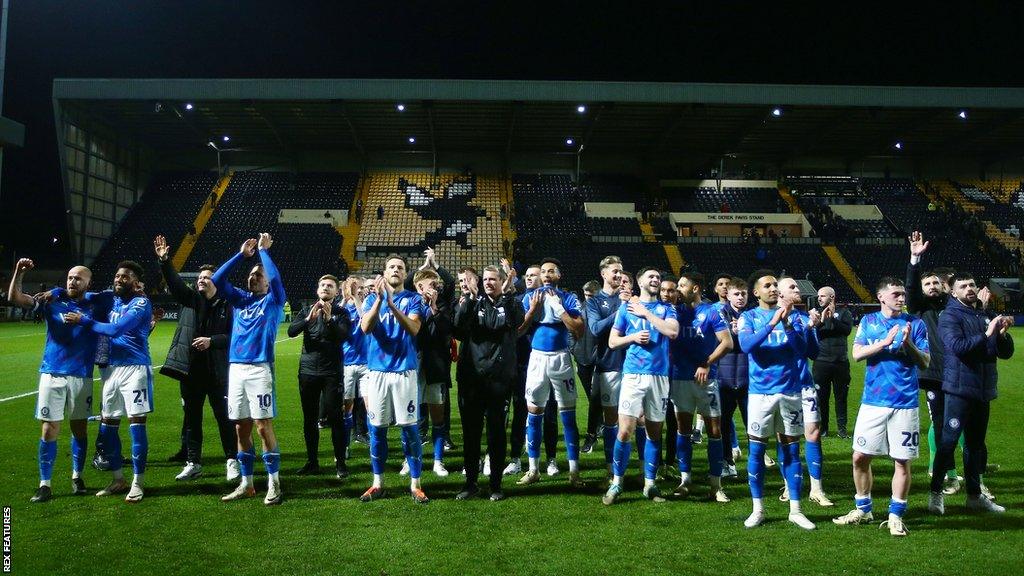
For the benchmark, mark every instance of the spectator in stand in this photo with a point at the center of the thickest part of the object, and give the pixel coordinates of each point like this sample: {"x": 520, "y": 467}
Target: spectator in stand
{"x": 380, "y": 212}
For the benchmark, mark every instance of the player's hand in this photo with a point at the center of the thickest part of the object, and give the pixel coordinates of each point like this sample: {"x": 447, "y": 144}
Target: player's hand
{"x": 814, "y": 318}
{"x": 72, "y": 318}
{"x": 23, "y": 265}
{"x": 891, "y": 336}
{"x": 642, "y": 337}
{"x": 248, "y": 248}
{"x": 734, "y": 326}
{"x": 1007, "y": 322}
{"x": 535, "y": 301}
{"x": 314, "y": 312}
{"x": 637, "y": 309}
{"x": 625, "y": 295}
{"x": 472, "y": 283}
{"x": 829, "y": 311}
{"x": 700, "y": 376}
{"x": 918, "y": 246}
{"x": 782, "y": 312}
{"x": 44, "y": 297}
{"x": 428, "y": 259}
{"x": 554, "y": 302}
{"x": 266, "y": 241}
{"x": 158, "y": 313}
{"x": 384, "y": 289}
{"x": 202, "y": 343}
{"x": 984, "y": 296}
{"x": 163, "y": 251}
{"x": 506, "y": 266}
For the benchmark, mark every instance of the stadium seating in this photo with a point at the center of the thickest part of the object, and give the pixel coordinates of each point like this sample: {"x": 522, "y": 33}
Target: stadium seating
{"x": 168, "y": 207}
{"x": 457, "y": 215}
{"x": 804, "y": 259}
{"x": 252, "y": 203}
{"x": 707, "y": 199}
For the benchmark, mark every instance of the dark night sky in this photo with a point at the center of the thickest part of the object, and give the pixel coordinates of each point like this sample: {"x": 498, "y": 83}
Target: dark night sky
{"x": 712, "y": 42}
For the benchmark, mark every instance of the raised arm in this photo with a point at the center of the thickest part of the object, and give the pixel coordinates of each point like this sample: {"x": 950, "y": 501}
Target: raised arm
{"x": 184, "y": 294}
{"x": 14, "y": 293}
{"x": 915, "y": 296}
{"x": 270, "y": 269}
{"x": 220, "y": 277}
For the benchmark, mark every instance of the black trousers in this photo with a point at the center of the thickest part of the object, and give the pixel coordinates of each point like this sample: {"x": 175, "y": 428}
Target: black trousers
{"x": 970, "y": 417}
{"x": 199, "y": 387}
{"x": 586, "y": 374}
{"x": 519, "y": 413}
{"x": 480, "y": 401}
{"x": 310, "y": 389}
{"x": 936, "y": 399}
{"x": 829, "y": 376}
{"x": 732, "y": 398}
{"x": 671, "y": 429}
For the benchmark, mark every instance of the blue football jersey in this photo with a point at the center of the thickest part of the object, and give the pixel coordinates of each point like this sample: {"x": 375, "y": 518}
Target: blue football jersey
{"x": 890, "y": 380}
{"x": 128, "y": 328}
{"x": 651, "y": 358}
{"x": 257, "y": 317}
{"x": 69, "y": 349}
{"x": 389, "y": 347}
{"x": 772, "y": 352}
{"x": 551, "y": 335}
{"x": 800, "y": 319}
{"x": 601, "y": 309}
{"x": 354, "y": 347}
{"x": 696, "y": 340}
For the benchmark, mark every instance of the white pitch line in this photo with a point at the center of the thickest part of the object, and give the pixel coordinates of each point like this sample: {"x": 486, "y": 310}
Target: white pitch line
{"x": 23, "y": 335}
{"x": 157, "y": 367}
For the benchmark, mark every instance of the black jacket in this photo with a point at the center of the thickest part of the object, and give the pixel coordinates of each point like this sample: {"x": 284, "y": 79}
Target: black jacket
{"x": 487, "y": 331}
{"x": 928, "y": 310}
{"x": 734, "y": 367}
{"x": 199, "y": 317}
{"x": 584, "y": 348}
{"x": 435, "y": 335}
{"x": 832, "y": 336}
{"x": 970, "y": 364}
{"x": 321, "y": 341}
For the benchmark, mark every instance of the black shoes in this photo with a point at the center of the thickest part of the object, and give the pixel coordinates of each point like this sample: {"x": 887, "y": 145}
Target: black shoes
{"x": 43, "y": 494}
{"x": 341, "y": 470}
{"x": 588, "y": 443}
{"x": 78, "y": 487}
{"x": 309, "y": 468}
{"x": 468, "y": 491}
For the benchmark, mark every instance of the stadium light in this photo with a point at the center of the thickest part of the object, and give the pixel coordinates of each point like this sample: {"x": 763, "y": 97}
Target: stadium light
{"x": 581, "y": 109}
{"x": 227, "y": 138}
{"x": 412, "y": 139}
{"x": 776, "y": 112}
{"x": 400, "y": 107}
{"x": 963, "y": 114}
{"x": 569, "y": 141}
{"x": 898, "y": 145}
{"x": 188, "y": 106}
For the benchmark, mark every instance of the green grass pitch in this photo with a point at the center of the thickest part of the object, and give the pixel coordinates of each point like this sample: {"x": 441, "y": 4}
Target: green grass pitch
{"x": 547, "y": 528}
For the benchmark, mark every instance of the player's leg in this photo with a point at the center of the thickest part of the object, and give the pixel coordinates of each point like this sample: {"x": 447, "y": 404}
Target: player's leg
{"x": 137, "y": 391}
{"x": 262, "y": 395}
{"x": 193, "y": 396}
{"x": 565, "y": 396}
{"x": 112, "y": 411}
{"x": 667, "y": 466}
{"x": 79, "y": 410}
{"x": 685, "y": 400}
{"x": 550, "y": 433}
{"x": 711, "y": 410}
{"x": 334, "y": 398}
{"x": 813, "y": 415}
{"x": 238, "y": 408}
{"x": 348, "y": 401}
{"x": 537, "y": 391}
{"x": 311, "y": 390}
{"x": 821, "y": 374}
{"x": 433, "y": 396}
{"x": 841, "y": 390}
{"x": 271, "y": 457}
{"x": 655, "y": 404}
{"x": 50, "y": 404}
{"x": 976, "y": 451}
{"x": 790, "y": 412}
{"x": 586, "y": 377}
{"x": 727, "y": 396}
{"x": 904, "y": 437}
{"x": 608, "y": 385}
{"x": 404, "y": 391}
{"x": 631, "y": 404}
{"x": 761, "y": 428}
{"x": 379, "y": 415}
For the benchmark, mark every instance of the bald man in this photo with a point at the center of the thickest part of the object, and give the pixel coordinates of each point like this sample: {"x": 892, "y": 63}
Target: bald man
{"x": 65, "y": 375}
{"x": 832, "y": 367}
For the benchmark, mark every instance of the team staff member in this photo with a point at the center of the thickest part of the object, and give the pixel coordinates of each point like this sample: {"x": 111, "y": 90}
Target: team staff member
{"x": 831, "y": 370}
{"x": 973, "y": 341}
{"x": 198, "y": 360}
{"x": 487, "y": 327}
{"x": 324, "y": 325}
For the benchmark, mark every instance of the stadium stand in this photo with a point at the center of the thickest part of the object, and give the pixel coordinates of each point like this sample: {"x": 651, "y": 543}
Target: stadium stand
{"x": 252, "y": 204}
{"x": 457, "y": 215}
{"x": 168, "y": 207}
{"x": 707, "y": 199}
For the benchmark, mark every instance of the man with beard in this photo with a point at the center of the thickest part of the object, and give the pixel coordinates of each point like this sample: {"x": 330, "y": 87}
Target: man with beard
{"x": 65, "y": 375}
